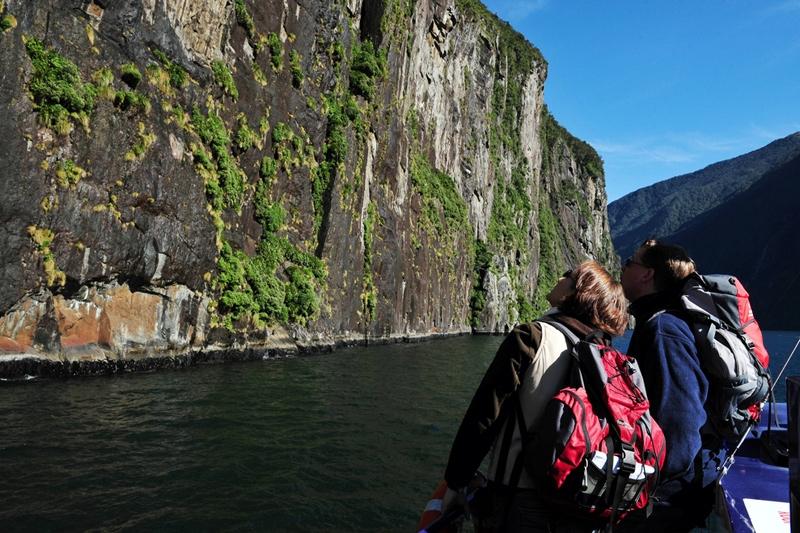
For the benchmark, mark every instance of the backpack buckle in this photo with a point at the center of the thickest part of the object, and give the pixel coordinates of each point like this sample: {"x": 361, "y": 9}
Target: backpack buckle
{"x": 628, "y": 460}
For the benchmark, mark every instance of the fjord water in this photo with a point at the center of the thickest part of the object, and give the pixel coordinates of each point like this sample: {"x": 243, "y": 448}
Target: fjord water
{"x": 350, "y": 441}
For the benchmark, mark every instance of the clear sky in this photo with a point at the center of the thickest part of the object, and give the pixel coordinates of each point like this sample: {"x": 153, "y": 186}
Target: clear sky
{"x": 662, "y": 88}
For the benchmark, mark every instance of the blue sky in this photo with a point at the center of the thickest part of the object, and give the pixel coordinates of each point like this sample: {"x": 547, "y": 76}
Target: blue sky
{"x": 665, "y": 88}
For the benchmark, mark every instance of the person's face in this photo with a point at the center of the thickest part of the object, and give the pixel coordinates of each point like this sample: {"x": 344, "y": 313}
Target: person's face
{"x": 637, "y": 278}
{"x": 563, "y": 289}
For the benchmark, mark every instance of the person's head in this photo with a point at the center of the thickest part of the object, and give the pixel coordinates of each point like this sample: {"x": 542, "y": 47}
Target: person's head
{"x": 591, "y": 295}
{"x": 655, "y": 267}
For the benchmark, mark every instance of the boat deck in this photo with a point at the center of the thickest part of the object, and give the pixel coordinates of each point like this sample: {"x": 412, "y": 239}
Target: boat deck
{"x": 756, "y": 490}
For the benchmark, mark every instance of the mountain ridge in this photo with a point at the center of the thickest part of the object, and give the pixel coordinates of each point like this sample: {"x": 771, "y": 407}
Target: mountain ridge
{"x": 760, "y": 250}
{"x": 663, "y": 208}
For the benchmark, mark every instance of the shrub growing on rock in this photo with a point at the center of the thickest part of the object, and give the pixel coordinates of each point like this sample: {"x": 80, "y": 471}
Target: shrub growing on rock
{"x": 57, "y": 88}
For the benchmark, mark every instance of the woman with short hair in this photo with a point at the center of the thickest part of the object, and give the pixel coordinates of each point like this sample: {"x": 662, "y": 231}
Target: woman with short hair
{"x": 584, "y": 299}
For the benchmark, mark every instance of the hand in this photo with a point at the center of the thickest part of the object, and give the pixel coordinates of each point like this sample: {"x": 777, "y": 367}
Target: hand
{"x": 452, "y": 500}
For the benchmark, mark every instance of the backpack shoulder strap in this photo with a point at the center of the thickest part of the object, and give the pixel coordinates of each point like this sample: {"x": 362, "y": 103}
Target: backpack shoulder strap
{"x": 595, "y": 336}
{"x": 518, "y": 415}
{"x": 514, "y": 418}
{"x": 572, "y": 339}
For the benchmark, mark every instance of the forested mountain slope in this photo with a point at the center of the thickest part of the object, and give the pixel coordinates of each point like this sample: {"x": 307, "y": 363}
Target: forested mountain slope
{"x": 665, "y": 207}
{"x": 755, "y": 236}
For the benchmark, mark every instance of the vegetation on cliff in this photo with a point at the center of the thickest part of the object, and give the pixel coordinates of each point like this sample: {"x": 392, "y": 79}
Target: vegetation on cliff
{"x": 553, "y": 132}
{"x": 549, "y": 263}
{"x": 225, "y": 79}
{"x": 444, "y": 211}
{"x": 59, "y": 93}
{"x": 512, "y": 208}
{"x": 226, "y": 183}
{"x": 367, "y": 66}
{"x": 369, "y": 294}
{"x": 43, "y": 238}
{"x": 68, "y": 174}
{"x": 176, "y": 74}
{"x": 7, "y": 22}
{"x": 296, "y": 166}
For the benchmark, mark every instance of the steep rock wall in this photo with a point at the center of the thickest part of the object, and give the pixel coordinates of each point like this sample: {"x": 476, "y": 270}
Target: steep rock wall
{"x": 181, "y": 176}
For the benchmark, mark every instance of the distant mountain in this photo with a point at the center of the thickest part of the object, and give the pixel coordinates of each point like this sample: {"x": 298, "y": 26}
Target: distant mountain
{"x": 755, "y": 236}
{"x": 666, "y": 207}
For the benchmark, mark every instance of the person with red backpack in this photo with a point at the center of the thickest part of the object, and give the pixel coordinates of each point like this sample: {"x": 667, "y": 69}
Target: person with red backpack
{"x": 531, "y": 366}
{"x": 665, "y": 347}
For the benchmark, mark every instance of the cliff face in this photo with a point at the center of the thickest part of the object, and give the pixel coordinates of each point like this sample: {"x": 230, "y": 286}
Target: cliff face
{"x": 179, "y": 176}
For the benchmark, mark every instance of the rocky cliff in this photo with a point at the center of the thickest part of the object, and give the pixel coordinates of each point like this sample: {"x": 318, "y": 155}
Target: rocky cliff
{"x": 181, "y": 179}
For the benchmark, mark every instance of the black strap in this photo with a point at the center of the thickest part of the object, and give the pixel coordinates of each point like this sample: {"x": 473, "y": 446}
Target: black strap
{"x": 627, "y": 465}
{"x": 610, "y": 449}
{"x": 506, "y": 446}
{"x": 516, "y": 470}
{"x": 513, "y": 408}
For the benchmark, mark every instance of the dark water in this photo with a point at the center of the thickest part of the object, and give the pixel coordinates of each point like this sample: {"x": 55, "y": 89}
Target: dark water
{"x": 353, "y": 441}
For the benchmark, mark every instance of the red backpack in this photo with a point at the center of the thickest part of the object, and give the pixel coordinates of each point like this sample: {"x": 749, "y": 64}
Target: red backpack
{"x": 603, "y": 413}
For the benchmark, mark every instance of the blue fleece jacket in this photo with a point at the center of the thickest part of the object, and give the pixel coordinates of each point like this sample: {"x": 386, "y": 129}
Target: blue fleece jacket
{"x": 677, "y": 387}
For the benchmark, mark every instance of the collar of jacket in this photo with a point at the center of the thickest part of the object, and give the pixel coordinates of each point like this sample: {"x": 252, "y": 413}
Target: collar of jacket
{"x": 579, "y": 328}
{"x": 646, "y": 306}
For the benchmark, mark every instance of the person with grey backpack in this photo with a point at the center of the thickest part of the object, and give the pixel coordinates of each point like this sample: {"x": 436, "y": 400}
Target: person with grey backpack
{"x": 704, "y": 366}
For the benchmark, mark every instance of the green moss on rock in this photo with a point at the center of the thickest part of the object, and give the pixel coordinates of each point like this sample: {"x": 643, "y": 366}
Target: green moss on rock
{"x": 142, "y": 145}
{"x": 59, "y": 94}
{"x": 443, "y": 209}
{"x": 245, "y": 137}
{"x": 279, "y": 283}
{"x": 43, "y": 238}
{"x": 103, "y": 80}
{"x": 549, "y": 256}
{"x": 127, "y": 100}
{"x": 296, "y": 68}
{"x": 477, "y": 301}
{"x": 367, "y": 67}
{"x": 369, "y": 292}
{"x": 553, "y": 133}
{"x": 268, "y": 168}
{"x": 178, "y": 77}
{"x": 225, "y": 79}
{"x": 8, "y": 22}
{"x": 275, "y": 51}
{"x": 68, "y": 174}
{"x": 259, "y": 75}
{"x": 569, "y": 193}
{"x": 245, "y": 20}
{"x": 211, "y": 129}
{"x": 302, "y": 302}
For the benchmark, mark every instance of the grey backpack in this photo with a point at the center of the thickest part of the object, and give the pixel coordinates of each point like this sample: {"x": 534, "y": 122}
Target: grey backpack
{"x": 731, "y": 350}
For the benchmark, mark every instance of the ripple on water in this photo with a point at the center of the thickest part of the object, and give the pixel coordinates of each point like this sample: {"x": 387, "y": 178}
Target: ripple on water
{"x": 352, "y": 441}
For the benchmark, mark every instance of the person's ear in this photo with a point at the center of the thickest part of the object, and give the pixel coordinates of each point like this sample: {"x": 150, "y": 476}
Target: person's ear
{"x": 648, "y": 278}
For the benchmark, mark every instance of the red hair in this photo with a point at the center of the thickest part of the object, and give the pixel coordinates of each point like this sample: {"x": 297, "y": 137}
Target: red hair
{"x": 598, "y": 300}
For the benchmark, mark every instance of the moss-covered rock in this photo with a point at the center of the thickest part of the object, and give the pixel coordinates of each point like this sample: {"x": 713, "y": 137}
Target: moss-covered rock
{"x": 59, "y": 93}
